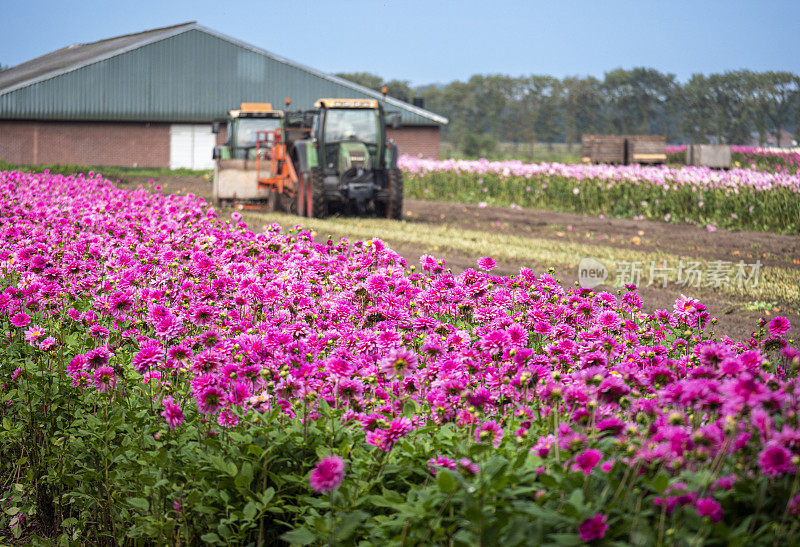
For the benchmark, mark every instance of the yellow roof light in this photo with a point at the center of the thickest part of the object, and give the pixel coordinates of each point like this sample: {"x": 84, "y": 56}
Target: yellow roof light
{"x": 256, "y": 107}
{"x": 346, "y": 103}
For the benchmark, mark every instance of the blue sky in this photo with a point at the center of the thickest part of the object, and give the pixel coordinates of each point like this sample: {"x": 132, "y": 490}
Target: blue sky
{"x": 440, "y": 41}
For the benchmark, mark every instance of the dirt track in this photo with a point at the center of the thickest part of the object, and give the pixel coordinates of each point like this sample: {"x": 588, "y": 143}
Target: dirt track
{"x": 676, "y": 239}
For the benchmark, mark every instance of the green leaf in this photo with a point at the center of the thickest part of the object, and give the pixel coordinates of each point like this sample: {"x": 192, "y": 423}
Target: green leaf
{"x": 245, "y": 477}
{"x": 139, "y": 503}
{"x": 250, "y": 511}
{"x": 231, "y": 469}
{"x": 445, "y": 480}
{"x": 381, "y": 501}
{"x": 267, "y": 496}
{"x": 210, "y": 537}
{"x": 660, "y": 483}
{"x": 349, "y": 523}
{"x": 576, "y": 499}
{"x": 566, "y": 539}
{"x": 410, "y": 408}
{"x": 301, "y": 536}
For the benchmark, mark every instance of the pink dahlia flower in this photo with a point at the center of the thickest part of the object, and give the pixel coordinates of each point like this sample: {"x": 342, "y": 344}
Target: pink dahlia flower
{"x": 593, "y": 528}
{"x": 709, "y": 507}
{"x": 327, "y": 475}
{"x": 489, "y": 431}
{"x": 775, "y": 460}
{"x": 172, "y": 413}
{"x": 104, "y": 378}
{"x": 33, "y": 334}
{"x": 20, "y": 319}
{"x": 779, "y": 325}
{"x": 486, "y": 263}
{"x": 587, "y": 460}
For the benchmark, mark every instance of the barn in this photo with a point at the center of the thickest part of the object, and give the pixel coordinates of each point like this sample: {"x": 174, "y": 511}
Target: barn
{"x": 149, "y": 99}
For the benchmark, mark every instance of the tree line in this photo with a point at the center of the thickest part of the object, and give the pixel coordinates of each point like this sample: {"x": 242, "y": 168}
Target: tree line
{"x": 731, "y": 107}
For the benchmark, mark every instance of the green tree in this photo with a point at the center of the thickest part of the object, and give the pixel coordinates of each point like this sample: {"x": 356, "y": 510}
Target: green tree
{"x": 697, "y": 110}
{"x": 548, "y": 92}
{"x": 638, "y": 99}
{"x": 774, "y": 95}
{"x": 399, "y": 89}
{"x": 731, "y": 108}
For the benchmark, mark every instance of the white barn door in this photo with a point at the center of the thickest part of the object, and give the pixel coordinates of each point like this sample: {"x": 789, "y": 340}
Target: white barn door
{"x": 191, "y": 146}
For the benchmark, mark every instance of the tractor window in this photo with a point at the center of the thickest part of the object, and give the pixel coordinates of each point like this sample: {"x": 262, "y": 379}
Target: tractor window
{"x": 343, "y": 124}
{"x": 246, "y": 136}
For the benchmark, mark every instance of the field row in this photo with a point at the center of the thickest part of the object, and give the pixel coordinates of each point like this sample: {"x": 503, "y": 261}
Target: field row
{"x": 736, "y": 199}
{"x": 171, "y": 374}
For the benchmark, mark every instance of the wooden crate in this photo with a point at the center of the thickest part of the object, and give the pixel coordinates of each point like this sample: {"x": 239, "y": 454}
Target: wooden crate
{"x": 715, "y": 156}
{"x": 650, "y": 149}
{"x": 603, "y": 149}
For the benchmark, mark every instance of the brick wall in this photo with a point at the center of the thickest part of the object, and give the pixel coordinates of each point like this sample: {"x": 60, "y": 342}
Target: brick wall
{"x": 85, "y": 143}
{"x": 136, "y": 143}
{"x": 415, "y": 140}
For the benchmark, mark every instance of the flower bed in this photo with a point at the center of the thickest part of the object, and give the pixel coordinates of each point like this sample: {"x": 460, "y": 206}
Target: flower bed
{"x": 751, "y": 157}
{"x": 168, "y": 374}
{"x": 736, "y": 199}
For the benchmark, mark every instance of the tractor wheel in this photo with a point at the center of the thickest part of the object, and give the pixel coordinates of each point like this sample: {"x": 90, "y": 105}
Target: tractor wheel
{"x": 394, "y": 203}
{"x": 272, "y": 201}
{"x": 300, "y": 195}
{"x": 316, "y": 202}
{"x": 287, "y": 203}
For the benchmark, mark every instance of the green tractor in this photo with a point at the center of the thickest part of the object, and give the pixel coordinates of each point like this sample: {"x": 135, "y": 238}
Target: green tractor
{"x": 345, "y": 163}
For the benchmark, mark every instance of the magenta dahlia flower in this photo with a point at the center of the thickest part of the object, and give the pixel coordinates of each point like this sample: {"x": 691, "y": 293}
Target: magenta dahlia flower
{"x": 47, "y": 343}
{"x": 20, "y": 319}
{"x": 779, "y": 325}
{"x": 98, "y": 357}
{"x": 441, "y": 461}
{"x": 172, "y": 413}
{"x": 33, "y": 334}
{"x": 150, "y": 353}
{"x": 104, "y": 379}
{"x": 587, "y": 460}
{"x": 468, "y": 467}
{"x": 210, "y": 399}
{"x": 593, "y": 528}
{"x": 775, "y": 460}
{"x": 486, "y": 263}
{"x": 327, "y": 475}
{"x": 489, "y": 431}
{"x": 398, "y": 363}
{"x": 709, "y": 507}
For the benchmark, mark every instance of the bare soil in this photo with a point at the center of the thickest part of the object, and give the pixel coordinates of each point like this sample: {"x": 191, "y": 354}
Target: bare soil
{"x": 678, "y": 239}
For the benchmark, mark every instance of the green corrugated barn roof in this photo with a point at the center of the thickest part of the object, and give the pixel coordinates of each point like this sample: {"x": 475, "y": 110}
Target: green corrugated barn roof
{"x": 183, "y": 73}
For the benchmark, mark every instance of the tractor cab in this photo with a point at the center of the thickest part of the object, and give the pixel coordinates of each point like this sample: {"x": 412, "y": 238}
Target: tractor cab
{"x": 349, "y": 135}
{"x": 243, "y": 126}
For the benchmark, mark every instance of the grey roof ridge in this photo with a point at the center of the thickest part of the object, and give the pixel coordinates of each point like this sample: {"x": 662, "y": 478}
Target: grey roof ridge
{"x": 180, "y": 29}
{"x": 176, "y": 29}
{"x": 341, "y": 81}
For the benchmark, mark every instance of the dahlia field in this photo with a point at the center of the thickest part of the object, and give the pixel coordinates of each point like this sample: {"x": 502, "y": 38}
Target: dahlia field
{"x": 736, "y": 199}
{"x": 169, "y": 376}
{"x": 752, "y": 157}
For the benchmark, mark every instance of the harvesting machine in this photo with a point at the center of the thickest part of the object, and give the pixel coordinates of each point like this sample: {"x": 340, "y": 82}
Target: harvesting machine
{"x": 335, "y": 157}
{"x": 244, "y": 170}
